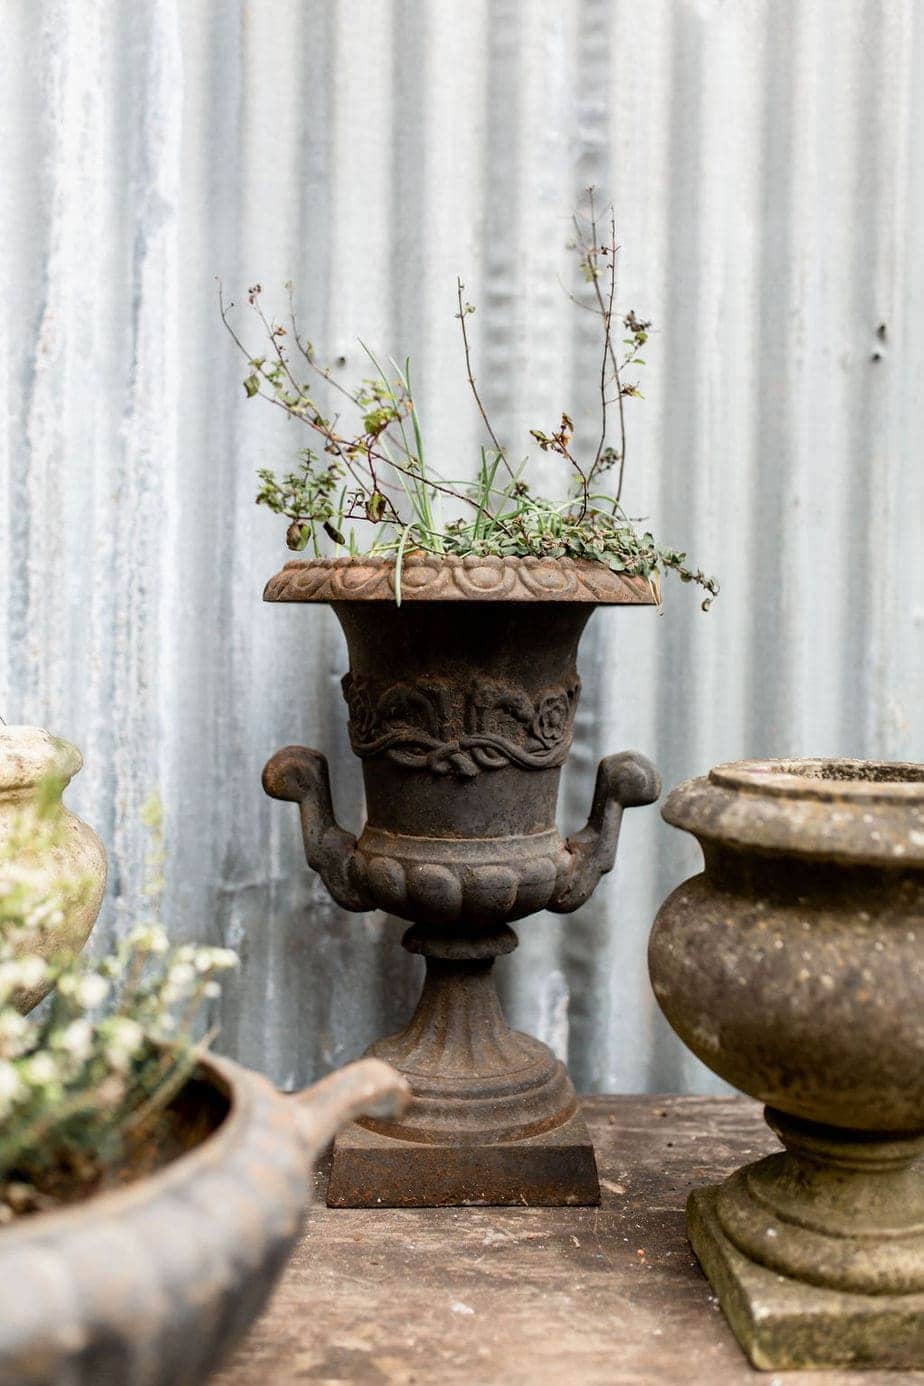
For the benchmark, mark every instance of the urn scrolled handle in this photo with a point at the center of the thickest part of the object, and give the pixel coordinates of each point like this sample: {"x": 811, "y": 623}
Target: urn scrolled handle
{"x": 627, "y": 780}
{"x": 300, "y": 775}
{"x": 563, "y": 883}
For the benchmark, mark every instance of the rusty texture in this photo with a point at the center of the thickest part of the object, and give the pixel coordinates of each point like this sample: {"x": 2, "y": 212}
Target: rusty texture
{"x": 462, "y": 716}
{"x": 794, "y": 967}
{"x": 154, "y": 1284}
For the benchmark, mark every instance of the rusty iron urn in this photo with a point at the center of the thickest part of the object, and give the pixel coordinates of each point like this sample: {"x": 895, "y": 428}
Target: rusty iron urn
{"x": 794, "y": 967}
{"x": 155, "y": 1282}
{"x": 461, "y": 707}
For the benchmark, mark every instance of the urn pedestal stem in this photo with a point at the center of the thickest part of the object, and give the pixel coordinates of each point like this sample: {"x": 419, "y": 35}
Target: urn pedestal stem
{"x": 486, "y": 1099}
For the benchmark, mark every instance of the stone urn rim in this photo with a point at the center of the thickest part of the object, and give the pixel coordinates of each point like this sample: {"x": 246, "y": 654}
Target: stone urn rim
{"x": 834, "y": 808}
{"x": 29, "y": 754}
{"x": 434, "y": 578}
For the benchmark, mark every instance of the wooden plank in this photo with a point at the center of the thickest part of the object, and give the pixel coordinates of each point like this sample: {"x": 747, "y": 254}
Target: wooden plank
{"x": 524, "y": 1297}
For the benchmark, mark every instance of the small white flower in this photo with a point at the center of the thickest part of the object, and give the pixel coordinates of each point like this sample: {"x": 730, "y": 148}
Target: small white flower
{"x": 149, "y": 938}
{"x": 27, "y": 972}
{"x": 15, "y": 1033}
{"x": 90, "y": 990}
{"x": 124, "y": 1041}
{"x": 211, "y": 989}
{"x": 75, "y": 1040}
{"x": 40, "y": 1069}
{"x": 215, "y": 959}
{"x": 181, "y": 975}
{"x": 12, "y": 1087}
{"x": 45, "y": 915}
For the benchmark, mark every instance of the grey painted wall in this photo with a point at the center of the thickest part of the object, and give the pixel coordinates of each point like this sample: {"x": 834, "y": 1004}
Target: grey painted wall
{"x": 764, "y": 159}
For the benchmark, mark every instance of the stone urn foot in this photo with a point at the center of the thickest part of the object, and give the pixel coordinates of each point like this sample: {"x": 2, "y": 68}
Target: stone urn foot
{"x": 461, "y": 707}
{"x": 794, "y": 967}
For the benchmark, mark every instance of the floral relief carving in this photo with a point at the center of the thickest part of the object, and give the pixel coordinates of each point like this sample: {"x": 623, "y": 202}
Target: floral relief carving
{"x": 486, "y": 725}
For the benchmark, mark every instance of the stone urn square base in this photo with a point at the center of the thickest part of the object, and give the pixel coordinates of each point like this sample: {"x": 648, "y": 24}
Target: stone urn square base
{"x": 785, "y": 1324}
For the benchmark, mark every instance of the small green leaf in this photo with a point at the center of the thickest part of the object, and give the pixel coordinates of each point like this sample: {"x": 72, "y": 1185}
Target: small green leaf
{"x": 252, "y": 386}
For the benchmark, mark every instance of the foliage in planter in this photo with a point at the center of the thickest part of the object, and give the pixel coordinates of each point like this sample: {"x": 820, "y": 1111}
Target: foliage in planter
{"x": 85, "y": 1079}
{"x": 377, "y": 474}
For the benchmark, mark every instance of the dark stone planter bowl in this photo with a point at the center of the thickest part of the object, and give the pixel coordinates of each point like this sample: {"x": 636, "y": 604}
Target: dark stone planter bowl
{"x": 155, "y": 1283}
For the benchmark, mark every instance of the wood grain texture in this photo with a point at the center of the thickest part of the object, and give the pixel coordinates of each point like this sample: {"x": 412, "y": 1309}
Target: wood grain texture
{"x": 575, "y": 1297}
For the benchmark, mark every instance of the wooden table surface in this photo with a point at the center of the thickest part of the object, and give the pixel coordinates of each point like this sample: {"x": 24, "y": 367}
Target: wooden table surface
{"x": 529, "y": 1296}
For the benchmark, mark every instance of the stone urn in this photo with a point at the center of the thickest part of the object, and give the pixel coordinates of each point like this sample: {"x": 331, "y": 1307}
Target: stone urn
{"x": 461, "y": 706}
{"x": 794, "y": 967}
{"x": 155, "y": 1282}
{"x": 33, "y": 766}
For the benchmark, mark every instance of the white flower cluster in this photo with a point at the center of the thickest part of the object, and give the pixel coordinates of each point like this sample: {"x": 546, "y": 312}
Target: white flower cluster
{"x": 115, "y": 1034}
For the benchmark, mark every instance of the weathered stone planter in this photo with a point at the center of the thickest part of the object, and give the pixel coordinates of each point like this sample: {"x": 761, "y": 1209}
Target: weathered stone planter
{"x": 28, "y": 757}
{"x": 461, "y": 706}
{"x": 794, "y": 967}
{"x": 155, "y": 1283}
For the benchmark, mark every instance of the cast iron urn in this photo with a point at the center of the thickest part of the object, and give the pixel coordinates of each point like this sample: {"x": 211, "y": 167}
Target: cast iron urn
{"x": 794, "y": 967}
{"x": 461, "y": 707}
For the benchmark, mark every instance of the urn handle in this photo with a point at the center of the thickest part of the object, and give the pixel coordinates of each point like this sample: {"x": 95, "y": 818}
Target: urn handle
{"x": 623, "y": 781}
{"x": 300, "y": 775}
{"x": 368, "y": 1087}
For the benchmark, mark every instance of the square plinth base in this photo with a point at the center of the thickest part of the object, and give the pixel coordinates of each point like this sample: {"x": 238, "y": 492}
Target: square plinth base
{"x": 783, "y": 1323}
{"x": 556, "y": 1169}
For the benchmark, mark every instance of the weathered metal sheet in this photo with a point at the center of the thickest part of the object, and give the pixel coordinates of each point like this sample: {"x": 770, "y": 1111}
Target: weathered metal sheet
{"x": 764, "y": 164}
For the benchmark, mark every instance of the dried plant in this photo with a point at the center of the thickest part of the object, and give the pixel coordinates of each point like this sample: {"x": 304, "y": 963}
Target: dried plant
{"x": 85, "y": 1079}
{"x": 374, "y": 473}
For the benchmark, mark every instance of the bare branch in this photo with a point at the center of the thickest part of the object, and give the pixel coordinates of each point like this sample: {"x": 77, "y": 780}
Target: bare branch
{"x": 464, "y": 309}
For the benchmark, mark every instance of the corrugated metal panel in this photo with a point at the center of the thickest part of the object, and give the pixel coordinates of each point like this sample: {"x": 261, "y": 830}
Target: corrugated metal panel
{"x": 765, "y": 165}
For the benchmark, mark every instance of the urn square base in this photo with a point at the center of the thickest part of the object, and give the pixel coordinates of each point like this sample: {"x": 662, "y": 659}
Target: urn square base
{"x": 552, "y": 1170}
{"x": 785, "y": 1324}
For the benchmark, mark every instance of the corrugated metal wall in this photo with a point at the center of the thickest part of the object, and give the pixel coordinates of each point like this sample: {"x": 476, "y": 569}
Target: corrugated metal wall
{"x": 764, "y": 157}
